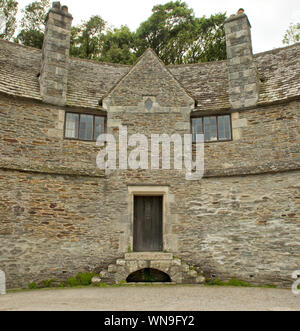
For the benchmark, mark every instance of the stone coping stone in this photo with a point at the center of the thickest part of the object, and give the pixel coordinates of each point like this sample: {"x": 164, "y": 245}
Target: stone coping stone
{"x": 149, "y": 256}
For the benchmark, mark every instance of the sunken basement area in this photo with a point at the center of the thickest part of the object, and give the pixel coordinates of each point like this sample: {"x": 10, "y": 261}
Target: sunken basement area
{"x": 60, "y": 214}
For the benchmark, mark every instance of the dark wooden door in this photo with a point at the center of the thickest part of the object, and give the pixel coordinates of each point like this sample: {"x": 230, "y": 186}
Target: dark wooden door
{"x": 148, "y": 234}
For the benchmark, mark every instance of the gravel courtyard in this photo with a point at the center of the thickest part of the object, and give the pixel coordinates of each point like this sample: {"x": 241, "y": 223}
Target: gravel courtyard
{"x": 152, "y": 298}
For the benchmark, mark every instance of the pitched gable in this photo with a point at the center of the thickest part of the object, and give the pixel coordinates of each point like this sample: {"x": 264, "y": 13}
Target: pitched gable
{"x": 149, "y": 77}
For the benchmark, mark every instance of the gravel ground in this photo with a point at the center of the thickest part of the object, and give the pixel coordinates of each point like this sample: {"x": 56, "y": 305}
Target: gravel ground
{"x": 152, "y": 298}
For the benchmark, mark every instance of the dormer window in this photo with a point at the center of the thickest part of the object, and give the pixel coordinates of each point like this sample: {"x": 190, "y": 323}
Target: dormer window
{"x": 214, "y": 128}
{"x": 84, "y": 126}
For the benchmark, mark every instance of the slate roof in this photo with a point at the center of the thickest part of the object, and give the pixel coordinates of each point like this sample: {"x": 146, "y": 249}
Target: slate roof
{"x": 207, "y": 82}
{"x": 279, "y": 71}
{"x": 89, "y": 81}
{"x": 19, "y": 67}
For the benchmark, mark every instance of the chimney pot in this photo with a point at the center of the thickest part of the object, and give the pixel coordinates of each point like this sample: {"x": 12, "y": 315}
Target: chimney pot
{"x": 56, "y": 5}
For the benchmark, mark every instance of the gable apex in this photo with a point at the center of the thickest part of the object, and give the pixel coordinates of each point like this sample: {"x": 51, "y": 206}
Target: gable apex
{"x": 149, "y": 77}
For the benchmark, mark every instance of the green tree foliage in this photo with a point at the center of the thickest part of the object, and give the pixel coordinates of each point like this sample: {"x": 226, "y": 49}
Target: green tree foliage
{"x": 167, "y": 31}
{"x": 209, "y": 41}
{"x": 87, "y": 39}
{"x": 33, "y": 24}
{"x": 177, "y": 36}
{"x": 119, "y": 46}
{"x": 172, "y": 31}
{"x": 292, "y": 35}
{"x": 8, "y": 11}
{"x": 32, "y": 38}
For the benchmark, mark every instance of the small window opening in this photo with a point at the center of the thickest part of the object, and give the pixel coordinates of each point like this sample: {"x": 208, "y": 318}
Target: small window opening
{"x": 148, "y": 104}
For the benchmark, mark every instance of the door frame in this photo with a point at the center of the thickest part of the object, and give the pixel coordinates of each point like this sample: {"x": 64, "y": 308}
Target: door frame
{"x": 161, "y": 234}
{"x": 161, "y": 191}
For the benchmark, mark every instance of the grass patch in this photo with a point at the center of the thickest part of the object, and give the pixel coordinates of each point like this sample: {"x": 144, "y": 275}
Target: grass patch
{"x": 48, "y": 283}
{"x": 238, "y": 283}
{"x": 101, "y": 285}
{"x": 82, "y": 280}
{"x": 32, "y": 286}
{"x": 234, "y": 283}
{"x": 71, "y": 282}
{"x": 268, "y": 286}
{"x": 85, "y": 278}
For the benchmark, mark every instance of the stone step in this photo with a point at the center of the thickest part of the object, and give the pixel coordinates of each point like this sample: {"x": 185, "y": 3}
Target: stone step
{"x": 180, "y": 273}
{"x": 152, "y": 256}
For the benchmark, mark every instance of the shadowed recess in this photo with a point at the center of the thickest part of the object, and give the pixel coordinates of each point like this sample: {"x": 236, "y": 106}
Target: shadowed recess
{"x": 148, "y": 276}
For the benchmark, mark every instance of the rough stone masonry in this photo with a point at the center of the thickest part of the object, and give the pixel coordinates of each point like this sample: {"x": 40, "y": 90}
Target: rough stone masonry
{"x": 60, "y": 214}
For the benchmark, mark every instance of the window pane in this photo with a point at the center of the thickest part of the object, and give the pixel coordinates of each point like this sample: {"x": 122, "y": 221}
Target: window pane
{"x": 210, "y": 129}
{"x": 72, "y": 126}
{"x": 86, "y": 127}
{"x": 224, "y": 127}
{"x": 196, "y": 127}
{"x": 148, "y": 104}
{"x": 99, "y": 126}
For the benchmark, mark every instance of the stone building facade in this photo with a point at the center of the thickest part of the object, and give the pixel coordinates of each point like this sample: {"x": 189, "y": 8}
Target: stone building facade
{"x": 60, "y": 214}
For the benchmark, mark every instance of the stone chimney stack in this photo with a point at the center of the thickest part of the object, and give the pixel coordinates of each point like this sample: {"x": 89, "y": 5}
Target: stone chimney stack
{"x": 243, "y": 76}
{"x": 55, "y": 55}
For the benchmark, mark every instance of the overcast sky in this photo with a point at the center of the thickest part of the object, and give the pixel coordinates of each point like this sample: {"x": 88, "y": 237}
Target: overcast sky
{"x": 269, "y": 18}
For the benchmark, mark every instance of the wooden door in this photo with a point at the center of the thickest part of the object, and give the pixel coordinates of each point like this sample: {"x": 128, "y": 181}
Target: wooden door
{"x": 148, "y": 233}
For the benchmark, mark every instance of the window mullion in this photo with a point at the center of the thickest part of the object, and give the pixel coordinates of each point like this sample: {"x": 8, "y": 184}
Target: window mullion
{"x": 79, "y": 120}
{"x": 217, "y": 121}
{"x": 93, "y": 130}
{"x": 230, "y": 121}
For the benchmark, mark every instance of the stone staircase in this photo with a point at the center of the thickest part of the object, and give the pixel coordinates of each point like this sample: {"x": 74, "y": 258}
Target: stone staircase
{"x": 178, "y": 272}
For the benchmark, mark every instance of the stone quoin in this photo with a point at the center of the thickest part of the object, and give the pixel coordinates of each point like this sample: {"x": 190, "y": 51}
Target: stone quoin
{"x": 61, "y": 215}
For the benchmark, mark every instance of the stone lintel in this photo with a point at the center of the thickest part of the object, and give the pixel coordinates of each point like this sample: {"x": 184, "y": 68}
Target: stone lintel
{"x": 151, "y": 256}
